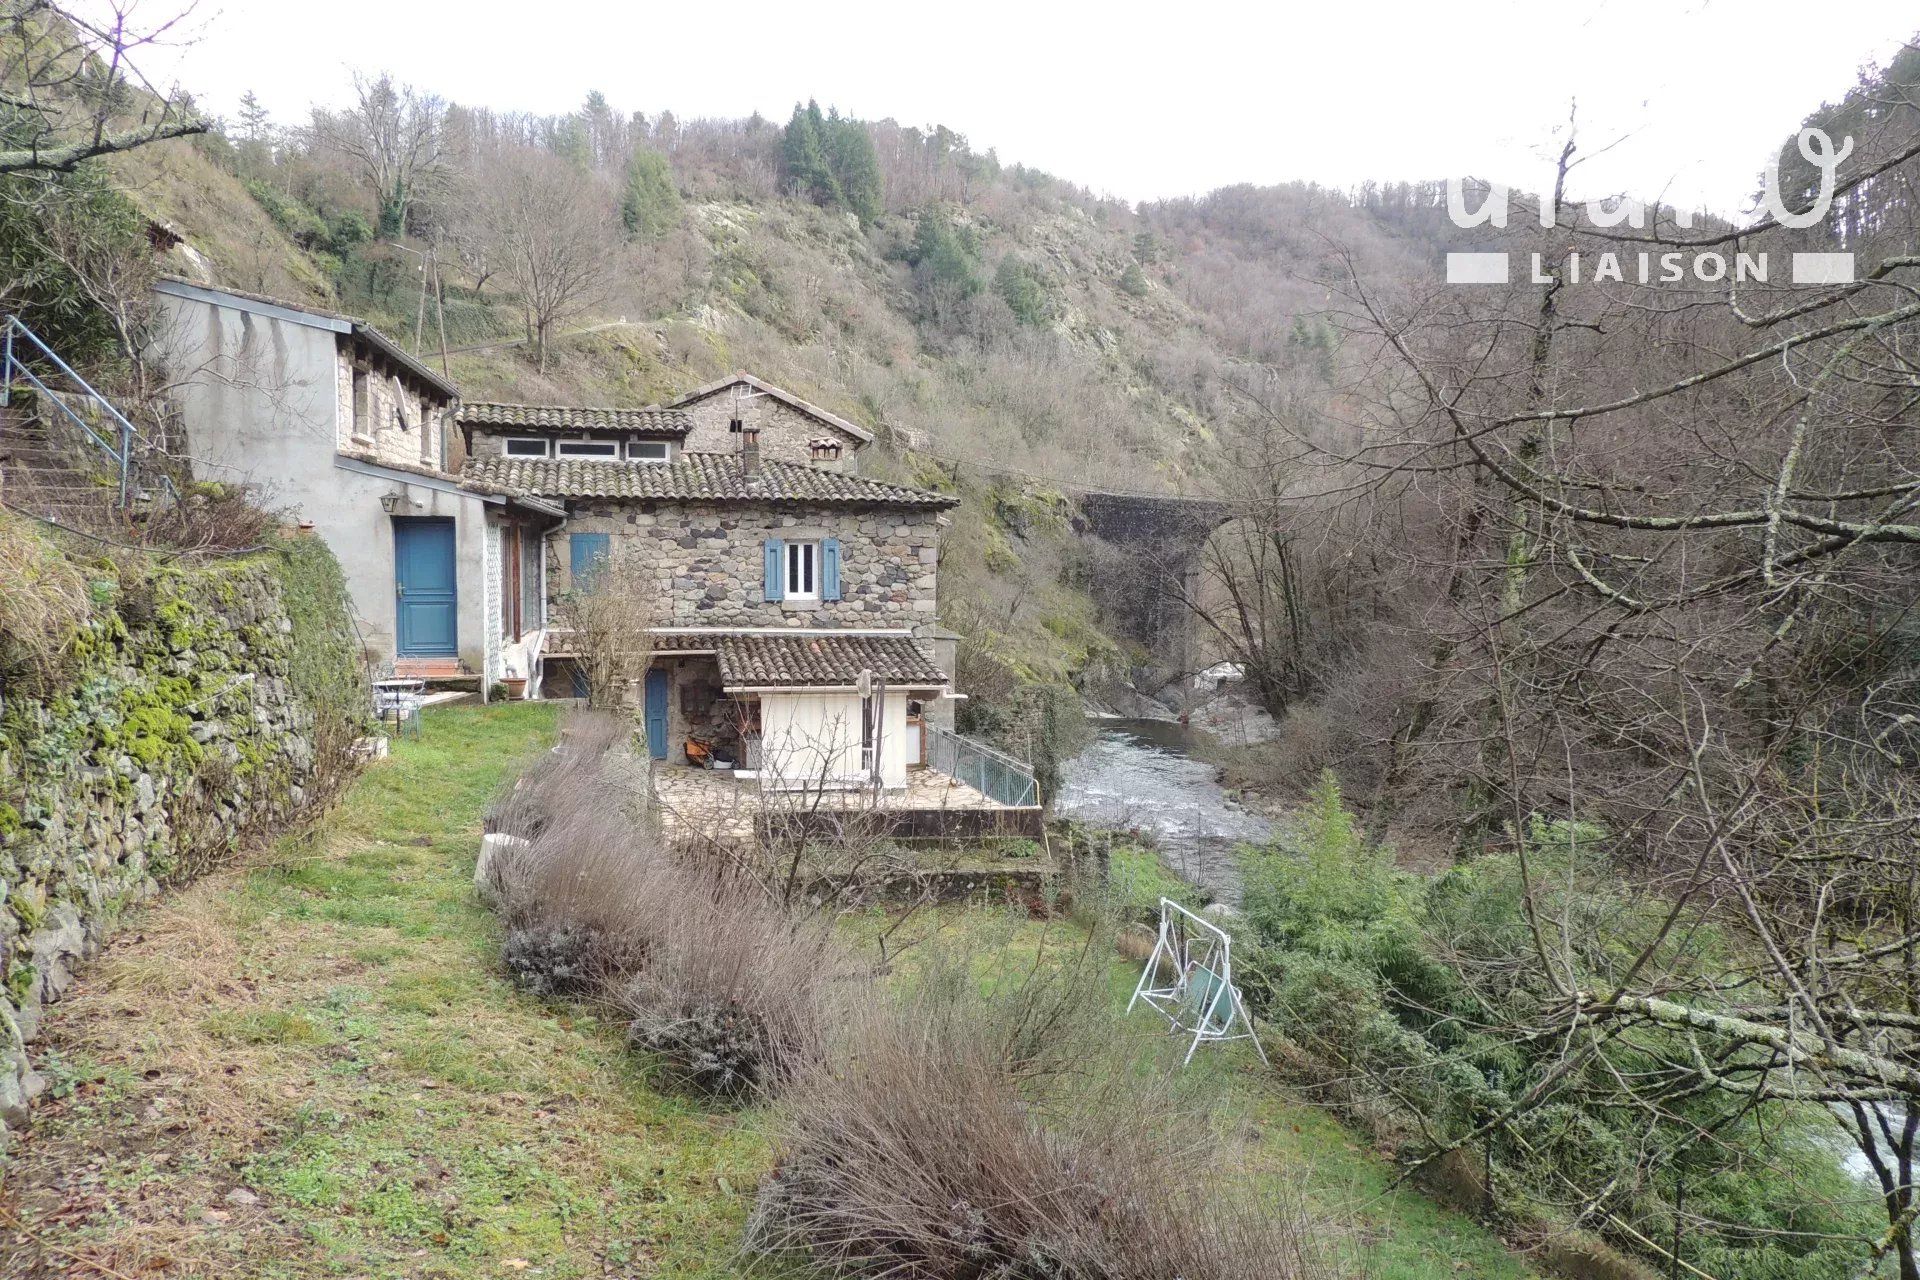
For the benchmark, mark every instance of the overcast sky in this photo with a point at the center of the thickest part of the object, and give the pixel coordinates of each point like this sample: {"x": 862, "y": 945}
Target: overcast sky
{"x": 1153, "y": 101}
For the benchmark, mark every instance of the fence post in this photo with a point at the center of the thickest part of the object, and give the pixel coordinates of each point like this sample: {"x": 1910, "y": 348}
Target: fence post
{"x": 126, "y": 457}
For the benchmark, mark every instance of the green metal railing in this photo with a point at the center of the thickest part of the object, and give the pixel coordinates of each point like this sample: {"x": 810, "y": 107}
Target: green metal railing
{"x": 994, "y": 774}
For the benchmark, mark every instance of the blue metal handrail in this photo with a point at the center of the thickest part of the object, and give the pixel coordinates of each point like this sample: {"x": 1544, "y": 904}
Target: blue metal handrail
{"x": 11, "y": 366}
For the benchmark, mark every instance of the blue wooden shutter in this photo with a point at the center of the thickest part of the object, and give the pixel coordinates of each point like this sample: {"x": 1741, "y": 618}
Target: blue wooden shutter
{"x": 772, "y": 591}
{"x": 586, "y": 552}
{"x": 830, "y": 568}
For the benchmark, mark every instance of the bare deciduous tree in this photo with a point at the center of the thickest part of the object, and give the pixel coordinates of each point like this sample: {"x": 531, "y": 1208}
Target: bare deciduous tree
{"x": 69, "y": 89}
{"x": 393, "y": 135}
{"x": 552, "y": 235}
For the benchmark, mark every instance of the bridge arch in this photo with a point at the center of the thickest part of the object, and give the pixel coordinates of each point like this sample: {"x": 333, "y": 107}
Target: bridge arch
{"x": 1161, "y": 539}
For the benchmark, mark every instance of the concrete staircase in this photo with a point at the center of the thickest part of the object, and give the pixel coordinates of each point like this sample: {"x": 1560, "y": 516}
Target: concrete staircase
{"x": 45, "y": 477}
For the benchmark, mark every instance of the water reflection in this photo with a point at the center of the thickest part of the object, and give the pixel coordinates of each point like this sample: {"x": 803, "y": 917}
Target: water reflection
{"x": 1137, "y": 773}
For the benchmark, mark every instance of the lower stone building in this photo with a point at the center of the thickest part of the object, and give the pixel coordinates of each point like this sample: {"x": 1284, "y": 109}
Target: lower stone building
{"x": 792, "y": 605}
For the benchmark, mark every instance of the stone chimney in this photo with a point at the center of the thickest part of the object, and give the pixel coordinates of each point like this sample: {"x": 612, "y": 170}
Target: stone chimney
{"x": 750, "y": 450}
{"x": 825, "y": 452}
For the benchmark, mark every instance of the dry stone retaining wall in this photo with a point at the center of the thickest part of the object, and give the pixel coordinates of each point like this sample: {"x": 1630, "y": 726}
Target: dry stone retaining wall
{"x": 199, "y": 707}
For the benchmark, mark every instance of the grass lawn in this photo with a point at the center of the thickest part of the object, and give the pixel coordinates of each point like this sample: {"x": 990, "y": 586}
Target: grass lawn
{"x": 309, "y": 1065}
{"x": 325, "y": 1028}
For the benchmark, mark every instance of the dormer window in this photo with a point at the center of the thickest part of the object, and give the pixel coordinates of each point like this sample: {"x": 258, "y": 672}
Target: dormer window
{"x": 588, "y": 448}
{"x": 525, "y": 448}
{"x": 646, "y": 451}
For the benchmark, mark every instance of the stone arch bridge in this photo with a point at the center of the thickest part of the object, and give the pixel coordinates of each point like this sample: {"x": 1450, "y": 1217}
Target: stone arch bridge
{"x": 1143, "y": 588}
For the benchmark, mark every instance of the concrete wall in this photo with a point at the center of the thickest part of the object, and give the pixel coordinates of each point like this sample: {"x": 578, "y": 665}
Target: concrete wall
{"x": 704, "y": 560}
{"x": 784, "y": 430}
{"x": 260, "y": 399}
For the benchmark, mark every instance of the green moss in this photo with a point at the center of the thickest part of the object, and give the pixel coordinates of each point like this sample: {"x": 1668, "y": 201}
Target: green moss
{"x": 9, "y": 819}
{"x": 29, "y": 905}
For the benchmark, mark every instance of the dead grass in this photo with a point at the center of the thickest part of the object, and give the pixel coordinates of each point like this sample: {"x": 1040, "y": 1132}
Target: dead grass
{"x": 956, "y": 1133}
{"x": 45, "y": 601}
{"x": 326, "y": 1028}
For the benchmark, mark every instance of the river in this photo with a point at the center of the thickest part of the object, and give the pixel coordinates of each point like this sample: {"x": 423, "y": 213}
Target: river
{"x": 1138, "y": 773}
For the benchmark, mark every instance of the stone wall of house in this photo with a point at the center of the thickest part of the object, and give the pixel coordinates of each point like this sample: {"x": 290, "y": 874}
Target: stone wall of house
{"x": 706, "y": 560}
{"x": 399, "y": 424}
{"x": 784, "y": 430}
{"x": 199, "y": 708}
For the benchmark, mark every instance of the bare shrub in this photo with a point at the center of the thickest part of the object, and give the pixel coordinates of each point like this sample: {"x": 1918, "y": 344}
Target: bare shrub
{"x": 45, "y": 602}
{"x": 735, "y": 998}
{"x": 712, "y": 974}
{"x": 956, "y": 1135}
{"x": 556, "y": 961}
{"x": 554, "y": 781}
{"x": 607, "y": 617}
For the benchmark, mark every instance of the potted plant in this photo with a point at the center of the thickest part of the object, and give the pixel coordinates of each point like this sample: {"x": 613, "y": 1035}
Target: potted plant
{"x": 513, "y": 685}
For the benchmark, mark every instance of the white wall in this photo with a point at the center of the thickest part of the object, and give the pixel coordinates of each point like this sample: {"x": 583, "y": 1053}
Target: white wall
{"x": 810, "y": 737}
{"x": 258, "y": 398}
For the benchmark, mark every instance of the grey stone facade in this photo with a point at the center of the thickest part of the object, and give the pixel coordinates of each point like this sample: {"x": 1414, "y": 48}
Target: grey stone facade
{"x": 707, "y": 560}
{"x": 385, "y": 417}
{"x": 784, "y": 429}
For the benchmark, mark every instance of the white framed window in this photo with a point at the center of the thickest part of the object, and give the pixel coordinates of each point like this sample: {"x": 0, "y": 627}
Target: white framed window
{"x": 525, "y": 448}
{"x": 803, "y": 571}
{"x": 646, "y": 451}
{"x": 587, "y": 448}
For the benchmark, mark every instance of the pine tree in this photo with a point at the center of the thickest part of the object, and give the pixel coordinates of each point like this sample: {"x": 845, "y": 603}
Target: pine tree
{"x": 253, "y": 118}
{"x": 1024, "y": 292}
{"x": 829, "y": 159}
{"x": 856, "y": 168}
{"x": 944, "y": 257}
{"x": 649, "y": 203}
{"x": 804, "y": 156}
{"x": 571, "y": 143}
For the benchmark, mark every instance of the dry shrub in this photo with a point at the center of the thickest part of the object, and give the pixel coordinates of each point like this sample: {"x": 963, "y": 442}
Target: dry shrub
{"x": 45, "y": 601}
{"x": 713, "y": 975}
{"x": 214, "y": 517}
{"x": 735, "y": 997}
{"x": 954, "y": 1135}
{"x": 555, "y": 781}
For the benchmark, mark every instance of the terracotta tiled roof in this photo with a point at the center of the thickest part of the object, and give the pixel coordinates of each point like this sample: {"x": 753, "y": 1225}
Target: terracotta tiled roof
{"x": 692, "y": 477}
{"x": 832, "y": 661}
{"x": 555, "y": 417}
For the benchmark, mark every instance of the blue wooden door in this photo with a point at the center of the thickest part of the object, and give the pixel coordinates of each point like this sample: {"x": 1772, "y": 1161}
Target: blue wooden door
{"x": 657, "y": 713}
{"x": 423, "y": 584}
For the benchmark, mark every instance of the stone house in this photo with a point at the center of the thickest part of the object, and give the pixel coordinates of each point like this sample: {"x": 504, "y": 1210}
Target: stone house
{"x": 791, "y": 430}
{"x": 333, "y": 421}
{"x": 794, "y": 601}
{"x": 794, "y": 635}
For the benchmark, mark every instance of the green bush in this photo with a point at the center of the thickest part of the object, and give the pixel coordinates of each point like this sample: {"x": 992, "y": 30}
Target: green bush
{"x": 1410, "y": 993}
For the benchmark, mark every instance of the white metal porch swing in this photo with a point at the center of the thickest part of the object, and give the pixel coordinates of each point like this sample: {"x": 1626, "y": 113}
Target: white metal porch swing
{"x": 1200, "y": 999}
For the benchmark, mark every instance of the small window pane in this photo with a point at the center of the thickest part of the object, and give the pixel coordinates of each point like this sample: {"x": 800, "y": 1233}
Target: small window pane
{"x": 800, "y": 570}
{"x": 526, "y": 448}
{"x": 647, "y": 451}
{"x": 589, "y": 449}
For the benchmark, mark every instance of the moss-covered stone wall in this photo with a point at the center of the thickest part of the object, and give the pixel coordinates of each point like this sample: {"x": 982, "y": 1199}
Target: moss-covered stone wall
{"x": 197, "y": 708}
